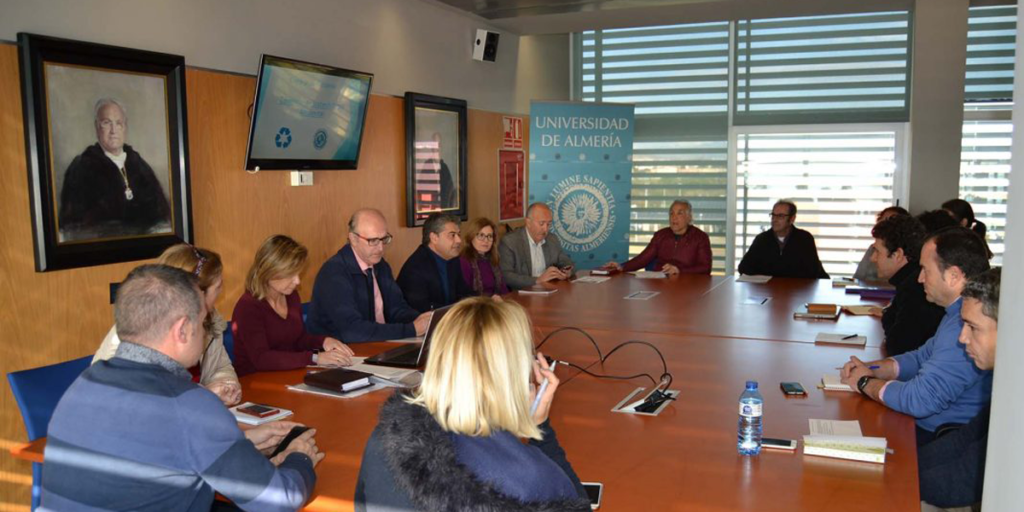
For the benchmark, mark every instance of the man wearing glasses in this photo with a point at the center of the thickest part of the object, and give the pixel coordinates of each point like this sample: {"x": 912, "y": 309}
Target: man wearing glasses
{"x": 355, "y": 297}
{"x": 432, "y": 276}
{"x": 785, "y": 250}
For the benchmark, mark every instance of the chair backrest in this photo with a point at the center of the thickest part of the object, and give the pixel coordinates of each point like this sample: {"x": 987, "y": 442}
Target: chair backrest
{"x": 38, "y": 390}
{"x": 229, "y": 341}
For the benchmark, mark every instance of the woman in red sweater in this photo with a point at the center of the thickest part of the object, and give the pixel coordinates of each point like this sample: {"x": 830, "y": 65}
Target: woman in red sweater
{"x": 267, "y": 322}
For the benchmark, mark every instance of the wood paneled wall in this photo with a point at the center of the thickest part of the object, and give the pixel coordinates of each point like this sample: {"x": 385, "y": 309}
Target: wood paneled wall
{"x": 55, "y": 316}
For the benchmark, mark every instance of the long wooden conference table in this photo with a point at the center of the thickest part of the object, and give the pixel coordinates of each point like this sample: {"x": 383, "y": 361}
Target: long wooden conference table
{"x": 715, "y": 334}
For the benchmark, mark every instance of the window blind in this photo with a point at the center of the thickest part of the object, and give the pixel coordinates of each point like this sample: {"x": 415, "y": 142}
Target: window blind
{"x": 991, "y": 39}
{"x": 823, "y": 69}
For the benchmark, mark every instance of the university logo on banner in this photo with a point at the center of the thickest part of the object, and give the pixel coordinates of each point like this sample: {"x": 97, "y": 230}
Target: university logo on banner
{"x": 581, "y": 158}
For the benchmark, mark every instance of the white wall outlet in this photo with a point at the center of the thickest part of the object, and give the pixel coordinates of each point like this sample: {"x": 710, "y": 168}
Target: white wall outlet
{"x": 302, "y": 178}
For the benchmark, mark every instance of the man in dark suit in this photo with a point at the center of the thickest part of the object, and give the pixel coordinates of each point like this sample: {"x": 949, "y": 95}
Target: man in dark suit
{"x": 784, "y": 250}
{"x": 355, "y": 297}
{"x": 432, "y": 278}
{"x": 532, "y": 254}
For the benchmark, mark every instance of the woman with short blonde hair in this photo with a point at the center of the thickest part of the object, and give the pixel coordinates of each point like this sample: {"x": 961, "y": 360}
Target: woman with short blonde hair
{"x": 214, "y": 370}
{"x": 455, "y": 442}
{"x": 267, "y": 322}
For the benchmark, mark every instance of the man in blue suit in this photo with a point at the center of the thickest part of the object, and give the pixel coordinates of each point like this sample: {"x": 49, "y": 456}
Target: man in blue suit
{"x": 355, "y": 297}
{"x": 432, "y": 276}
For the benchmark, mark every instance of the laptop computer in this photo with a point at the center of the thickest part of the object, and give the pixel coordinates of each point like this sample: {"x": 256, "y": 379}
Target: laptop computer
{"x": 410, "y": 355}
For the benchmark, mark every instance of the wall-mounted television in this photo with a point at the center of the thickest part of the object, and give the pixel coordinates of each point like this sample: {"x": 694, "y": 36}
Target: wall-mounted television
{"x": 306, "y": 116}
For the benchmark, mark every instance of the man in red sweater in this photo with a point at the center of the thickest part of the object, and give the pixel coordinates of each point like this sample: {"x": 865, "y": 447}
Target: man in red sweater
{"x": 679, "y": 248}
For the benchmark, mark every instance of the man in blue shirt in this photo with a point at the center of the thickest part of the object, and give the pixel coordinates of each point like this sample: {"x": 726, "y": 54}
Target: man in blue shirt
{"x": 432, "y": 277}
{"x": 135, "y": 433}
{"x": 938, "y": 383}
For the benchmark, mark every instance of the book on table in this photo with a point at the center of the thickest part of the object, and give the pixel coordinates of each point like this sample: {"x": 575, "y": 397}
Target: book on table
{"x": 818, "y": 312}
{"x": 867, "y": 449}
{"x": 753, "y": 278}
{"x": 337, "y": 379}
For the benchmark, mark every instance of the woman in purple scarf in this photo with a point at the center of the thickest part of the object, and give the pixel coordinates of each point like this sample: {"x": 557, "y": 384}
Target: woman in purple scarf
{"x": 479, "y": 259}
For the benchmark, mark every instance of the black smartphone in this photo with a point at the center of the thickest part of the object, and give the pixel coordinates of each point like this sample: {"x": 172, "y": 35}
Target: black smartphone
{"x": 295, "y": 432}
{"x": 793, "y": 388}
{"x": 594, "y": 491}
{"x": 778, "y": 444}
{"x": 259, "y": 411}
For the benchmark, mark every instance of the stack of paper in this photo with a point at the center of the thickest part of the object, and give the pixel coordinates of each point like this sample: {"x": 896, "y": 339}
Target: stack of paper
{"x": 843, "y": 440}
{"x": 644, "y": 274}
{"x": 241, "y": 417}
{"x": 537, "y": 290}
{"x": 859, "y": 309}
{"x": 753, "y": 279}
{"x": 832, "y": 383}
{"x": 841, "y": 338}
{"x": 591, "y": 279}
{"x": 843, "y": 282}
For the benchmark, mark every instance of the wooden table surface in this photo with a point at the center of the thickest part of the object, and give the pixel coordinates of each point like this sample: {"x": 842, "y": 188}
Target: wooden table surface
{"x": 685, "y": 458}
{"x": 700, "y": 305}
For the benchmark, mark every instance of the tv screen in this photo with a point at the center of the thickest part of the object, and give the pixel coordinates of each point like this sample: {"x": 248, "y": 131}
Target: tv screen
{"x": 306, "y": 116}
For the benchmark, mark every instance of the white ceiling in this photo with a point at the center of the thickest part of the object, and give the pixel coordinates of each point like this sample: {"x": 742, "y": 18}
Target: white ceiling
{"x": 563, "y": 16}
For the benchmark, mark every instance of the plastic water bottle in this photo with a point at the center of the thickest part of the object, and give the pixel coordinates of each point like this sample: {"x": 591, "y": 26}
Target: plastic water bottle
{"x": 748, "y": 433}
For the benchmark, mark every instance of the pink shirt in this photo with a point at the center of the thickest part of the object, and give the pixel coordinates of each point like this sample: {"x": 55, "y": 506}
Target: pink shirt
{"x": 378, "y": 300}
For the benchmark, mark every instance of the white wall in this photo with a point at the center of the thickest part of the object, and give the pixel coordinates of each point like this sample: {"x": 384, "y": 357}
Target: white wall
{"x": 410, "y": 45}
{"x": 1005, "y": 461}
{"x": 936, "y": 101}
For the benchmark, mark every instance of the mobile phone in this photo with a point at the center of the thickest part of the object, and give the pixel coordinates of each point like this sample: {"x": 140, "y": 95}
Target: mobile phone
{"x": 295, "y": 432}
{"x": 594, "y": 491}
{"x": 793, "y": 388}
{"x": 257, "y": 410}
{"x": 778, "y": 444}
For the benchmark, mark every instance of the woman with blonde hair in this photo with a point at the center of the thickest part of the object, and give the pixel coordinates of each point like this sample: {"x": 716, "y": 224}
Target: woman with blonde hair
{"x": 479, "y": 259}
{"x": 454, "y": 442}
{"x": 214, "y": 371}
{"x": 267, "y": 322}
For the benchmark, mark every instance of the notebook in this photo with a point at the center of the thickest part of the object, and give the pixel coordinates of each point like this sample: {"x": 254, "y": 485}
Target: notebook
{"x": 591, "y": 279}
{"x": 753, "y": 279}
{"x": 868, "y": 449}
{"x": 840, "y": 338}
{"x": 645, "y": 274}
{"x": 337, "y": 379}
{"x": 831, "y": 382}
{"x": 818, "y": 312}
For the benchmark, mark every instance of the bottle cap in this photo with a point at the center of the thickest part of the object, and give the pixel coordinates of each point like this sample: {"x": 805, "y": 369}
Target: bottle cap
{"x": 751, "y": 384}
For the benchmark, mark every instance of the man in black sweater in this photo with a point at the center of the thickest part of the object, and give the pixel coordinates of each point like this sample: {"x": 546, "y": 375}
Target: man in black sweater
{"x": 785, "y": 250}
{"x": 432, "y": 277}
{"x": 910, "y": 319}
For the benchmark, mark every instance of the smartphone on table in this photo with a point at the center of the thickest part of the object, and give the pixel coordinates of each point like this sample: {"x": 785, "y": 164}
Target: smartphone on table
{"x": 259, "y": 411}
{"x": 594, "y": 492}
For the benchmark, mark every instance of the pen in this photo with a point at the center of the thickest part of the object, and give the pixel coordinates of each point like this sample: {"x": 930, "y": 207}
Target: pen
{"x": 872, "y": 367}
{"x": 540, "y": 393}
{"x": 850, "y": 337}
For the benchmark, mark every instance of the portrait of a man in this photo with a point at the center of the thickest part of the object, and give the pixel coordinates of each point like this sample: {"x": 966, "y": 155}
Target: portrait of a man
{"x": 107, "y": 137}
{"x": 109, "y": 189}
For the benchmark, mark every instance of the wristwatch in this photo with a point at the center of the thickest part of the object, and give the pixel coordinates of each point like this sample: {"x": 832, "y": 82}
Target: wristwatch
{"x": 863, "y": 382}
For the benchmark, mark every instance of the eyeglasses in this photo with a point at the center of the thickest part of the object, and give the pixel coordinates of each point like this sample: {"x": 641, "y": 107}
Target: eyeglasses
{"x": 375, "y": 242}
{"x": 484, "y": 237}
{"x": 200, "y": 261}
{"x": 779, "y": 215}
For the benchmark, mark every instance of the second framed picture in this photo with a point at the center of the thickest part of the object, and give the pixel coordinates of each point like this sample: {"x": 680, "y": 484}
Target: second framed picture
{"x": 435, "y": 138}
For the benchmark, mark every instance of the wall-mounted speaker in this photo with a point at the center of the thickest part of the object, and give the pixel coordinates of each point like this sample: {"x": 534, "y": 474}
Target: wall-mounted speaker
{"x": 485, "y": 46}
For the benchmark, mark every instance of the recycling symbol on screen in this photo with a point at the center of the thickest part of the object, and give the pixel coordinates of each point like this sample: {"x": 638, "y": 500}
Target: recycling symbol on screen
{"x": 283, "y": 138}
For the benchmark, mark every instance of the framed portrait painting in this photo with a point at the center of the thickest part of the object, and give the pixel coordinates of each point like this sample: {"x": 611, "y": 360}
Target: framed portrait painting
{"x": 105, "y": 136}
{"x": 435, "y": 138}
